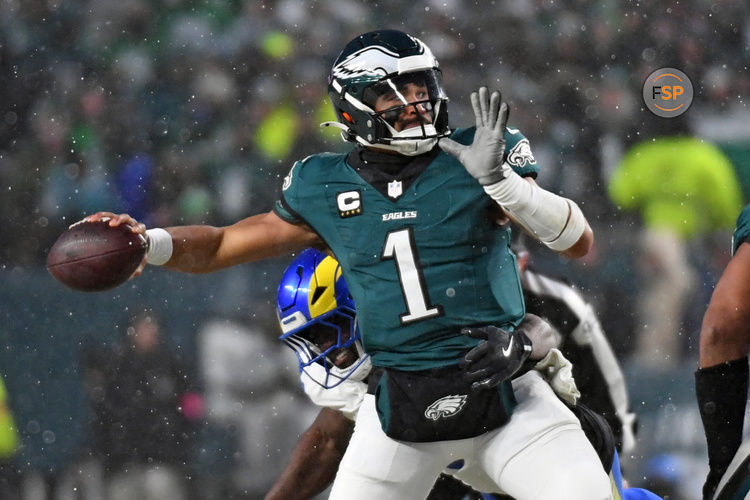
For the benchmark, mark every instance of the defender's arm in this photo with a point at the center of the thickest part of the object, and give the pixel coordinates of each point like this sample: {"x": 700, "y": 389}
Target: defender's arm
{"x": 315, "y": 459}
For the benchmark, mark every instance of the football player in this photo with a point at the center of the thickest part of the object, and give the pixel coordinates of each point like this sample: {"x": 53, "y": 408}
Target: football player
{"x": 721, "y": 382}
{"x": 582, "y": 340}
{"x": 409, "y": 213}
{"x": 318, "y": 320}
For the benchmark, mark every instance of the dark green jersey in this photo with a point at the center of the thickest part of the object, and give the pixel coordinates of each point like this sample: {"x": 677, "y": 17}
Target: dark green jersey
{"x": 421, "y": 261}
{"x": 742, "y": 233}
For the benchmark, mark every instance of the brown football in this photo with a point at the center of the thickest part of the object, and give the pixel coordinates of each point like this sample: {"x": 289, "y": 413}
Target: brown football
{"x": 93, "y": 256}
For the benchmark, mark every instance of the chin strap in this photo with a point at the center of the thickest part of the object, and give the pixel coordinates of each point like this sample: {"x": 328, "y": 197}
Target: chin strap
{"x": 406, "y": 146}
{"x": 362, "y": 370}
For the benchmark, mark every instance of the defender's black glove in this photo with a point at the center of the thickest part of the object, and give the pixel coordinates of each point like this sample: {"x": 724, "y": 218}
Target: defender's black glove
{"x": 497, "y": 358}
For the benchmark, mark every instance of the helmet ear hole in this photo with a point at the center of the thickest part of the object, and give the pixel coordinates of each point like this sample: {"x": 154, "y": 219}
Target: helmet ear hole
{"x": 318, "y": 293}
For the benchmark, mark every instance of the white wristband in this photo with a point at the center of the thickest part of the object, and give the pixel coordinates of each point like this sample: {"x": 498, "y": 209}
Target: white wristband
{"x": 159, "y": 246}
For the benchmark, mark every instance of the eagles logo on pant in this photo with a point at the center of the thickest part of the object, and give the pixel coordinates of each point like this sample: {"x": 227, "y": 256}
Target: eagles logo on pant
{"x": 445, "y": 407}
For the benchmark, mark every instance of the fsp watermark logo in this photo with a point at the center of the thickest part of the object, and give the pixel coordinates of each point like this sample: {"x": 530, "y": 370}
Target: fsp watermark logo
{"x": 667, "y": 92}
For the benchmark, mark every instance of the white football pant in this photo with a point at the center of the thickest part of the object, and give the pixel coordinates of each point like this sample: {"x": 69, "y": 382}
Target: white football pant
{"x": 541, "y": 453}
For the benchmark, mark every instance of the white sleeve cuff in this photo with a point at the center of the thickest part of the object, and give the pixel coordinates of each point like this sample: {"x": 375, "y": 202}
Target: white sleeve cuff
{"x": 572, "y": 231}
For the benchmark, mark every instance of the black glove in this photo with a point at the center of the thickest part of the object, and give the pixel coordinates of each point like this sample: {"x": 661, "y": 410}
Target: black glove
{"x": 497, "y": 358}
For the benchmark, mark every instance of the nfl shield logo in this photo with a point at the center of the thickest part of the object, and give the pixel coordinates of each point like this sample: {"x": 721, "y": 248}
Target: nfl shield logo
{"x": 394, "y": 189}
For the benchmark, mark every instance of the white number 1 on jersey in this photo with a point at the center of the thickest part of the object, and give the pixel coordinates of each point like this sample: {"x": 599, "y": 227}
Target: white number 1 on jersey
{"x": 399, "y": 245}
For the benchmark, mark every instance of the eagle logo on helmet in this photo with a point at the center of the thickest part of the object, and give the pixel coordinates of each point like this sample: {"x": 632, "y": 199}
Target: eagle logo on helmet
{"x": 445, "y": 407}
{"x": 377, "y": 60}
{"x": 367, "y": 62}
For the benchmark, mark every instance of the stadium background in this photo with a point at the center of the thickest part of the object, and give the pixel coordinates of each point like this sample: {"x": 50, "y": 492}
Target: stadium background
{"x": 192, "y": 111}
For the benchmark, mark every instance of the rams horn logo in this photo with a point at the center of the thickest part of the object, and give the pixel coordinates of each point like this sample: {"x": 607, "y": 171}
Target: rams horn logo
{"x": 446, "y": 406}
{"x": 521, "y": 154}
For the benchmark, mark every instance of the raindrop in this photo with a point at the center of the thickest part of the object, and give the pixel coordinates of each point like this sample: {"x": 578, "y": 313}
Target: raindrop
{"x": 48, "y": 437}
{"x": 72, "y": 170}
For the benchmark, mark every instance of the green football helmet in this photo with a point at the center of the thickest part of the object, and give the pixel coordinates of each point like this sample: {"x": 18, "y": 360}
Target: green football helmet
{"x": 397, "y": 74}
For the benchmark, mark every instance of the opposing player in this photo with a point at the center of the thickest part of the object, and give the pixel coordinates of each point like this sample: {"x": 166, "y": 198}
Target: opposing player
{"x": 721, "y": 382}
{"x": 582, "y": 340}
{"x": 413, "y": 229}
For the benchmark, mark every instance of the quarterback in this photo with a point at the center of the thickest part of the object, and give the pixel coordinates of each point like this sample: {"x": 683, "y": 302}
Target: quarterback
{"x": 319, "y": 322}
{"x": 410, "y": 215}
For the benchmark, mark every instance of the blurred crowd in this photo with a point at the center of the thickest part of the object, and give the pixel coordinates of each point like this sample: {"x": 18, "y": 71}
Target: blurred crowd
{"x": 192, "y": 111}
{"x": 188, "y": 111}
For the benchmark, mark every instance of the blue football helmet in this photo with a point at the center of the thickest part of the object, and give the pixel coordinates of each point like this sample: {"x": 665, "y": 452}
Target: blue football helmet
{"x": 318, "y": 320}
{"x": 379, "y": 67}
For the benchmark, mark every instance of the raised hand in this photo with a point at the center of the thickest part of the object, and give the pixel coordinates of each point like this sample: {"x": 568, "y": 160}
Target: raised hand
{"x": 483, "y": 159}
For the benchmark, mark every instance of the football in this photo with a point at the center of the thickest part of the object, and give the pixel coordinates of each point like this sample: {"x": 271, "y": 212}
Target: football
{"x": 93, "y": 256}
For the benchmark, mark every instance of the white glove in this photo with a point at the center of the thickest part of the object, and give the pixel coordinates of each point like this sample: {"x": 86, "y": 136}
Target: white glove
{"x": 484, "y": 158}
{"x": 558, "y": 371}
